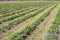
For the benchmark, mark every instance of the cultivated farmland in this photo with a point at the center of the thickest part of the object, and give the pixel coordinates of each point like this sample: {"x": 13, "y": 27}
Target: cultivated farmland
{"x": 30, "y": 21}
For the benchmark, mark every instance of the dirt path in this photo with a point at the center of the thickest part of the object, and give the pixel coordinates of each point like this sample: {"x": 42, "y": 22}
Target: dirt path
{"x": 20, "y": 27}
{"x": 40, "y": 31}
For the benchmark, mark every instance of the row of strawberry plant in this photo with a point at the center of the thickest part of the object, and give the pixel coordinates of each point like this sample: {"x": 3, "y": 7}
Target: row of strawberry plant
{"x": 7, "y": 18}
{"x": 5, "y": 7}
{"x": 6, "y": 10}
{"x": 30, "y": 27}
{"x": 4, "y": 19}
{"x": 18, "y": 20}
{"x": 24, "y": 7}
{"x": 53, "y": 31}
{"x": 14, "y": 12}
